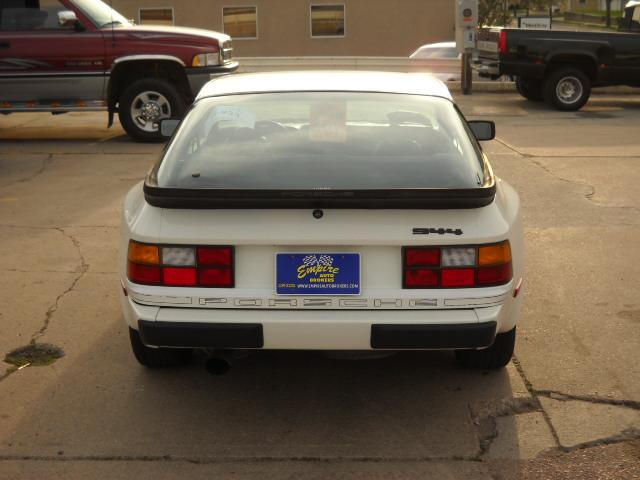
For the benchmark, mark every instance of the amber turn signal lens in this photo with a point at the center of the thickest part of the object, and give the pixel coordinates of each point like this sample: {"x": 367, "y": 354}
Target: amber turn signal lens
{"x": 494, "y": 254}
{"x": 141, "y": 253}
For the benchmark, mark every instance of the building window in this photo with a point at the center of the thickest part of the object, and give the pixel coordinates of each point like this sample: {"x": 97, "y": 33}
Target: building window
{"x": 240, "y": 22}
{"x": 327, "y": 20}
{"x": 156, "y": 16}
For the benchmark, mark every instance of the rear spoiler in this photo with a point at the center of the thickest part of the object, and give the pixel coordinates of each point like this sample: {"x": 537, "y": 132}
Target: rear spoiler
{"x": 427, "y": 198}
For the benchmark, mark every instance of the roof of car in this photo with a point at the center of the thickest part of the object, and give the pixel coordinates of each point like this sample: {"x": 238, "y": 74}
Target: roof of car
{"x": 332, "y": 81}
{"x": 438, "y": 45}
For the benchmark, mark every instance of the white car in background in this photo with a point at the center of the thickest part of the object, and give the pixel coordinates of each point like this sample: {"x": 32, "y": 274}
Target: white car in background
{"x": 441, "y": 50}
{"x": 443, "y": 58}
{"x": 323, "y": 211}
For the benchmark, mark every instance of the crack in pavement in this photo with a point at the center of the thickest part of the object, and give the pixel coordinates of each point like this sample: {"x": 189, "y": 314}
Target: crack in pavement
{"x": 566, "y": 397}
{"x": 534, "y": 396}
{"x": 622, "y": 437}
{"x": 487, "y": 427}
{"x": 37, "y": 227}
{"x": 485, "y": 418}
{"x": 84, "y": 266}
{"x": 81, "y": 270}
{"x": 45, "y": 163}
{"x": 237, "y": 459}
{"x": 592, "y": 189}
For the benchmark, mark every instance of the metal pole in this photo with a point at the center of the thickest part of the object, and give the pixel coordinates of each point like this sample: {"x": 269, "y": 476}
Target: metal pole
{"x": 467, "y": 81}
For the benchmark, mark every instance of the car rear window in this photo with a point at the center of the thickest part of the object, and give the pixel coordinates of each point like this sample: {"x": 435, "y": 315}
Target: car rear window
{"x": 322, "y": 140}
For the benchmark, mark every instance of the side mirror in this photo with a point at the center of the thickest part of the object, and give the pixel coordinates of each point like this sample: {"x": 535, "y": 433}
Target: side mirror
{"x": 168, "y": 126}
{"x": 483, "y": 129}
{"x": 68, "y": 18}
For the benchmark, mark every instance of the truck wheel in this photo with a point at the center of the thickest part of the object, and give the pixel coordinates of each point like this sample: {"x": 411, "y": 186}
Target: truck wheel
{"x": 496, "y": 356}
{"x": 157, "y": 357}
{"x": 567, "y": 89}
{"x": 144, "y": 103}
{"x": 529, "y": 88}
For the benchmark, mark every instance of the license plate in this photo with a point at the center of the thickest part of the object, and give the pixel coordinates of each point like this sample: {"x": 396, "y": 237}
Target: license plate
{"x": 318, "y": 274}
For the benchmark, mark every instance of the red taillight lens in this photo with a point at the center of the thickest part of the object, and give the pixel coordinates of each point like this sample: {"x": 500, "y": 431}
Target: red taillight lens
{"x": 179, "y": 277}
{"x": 145, "y": 274}
{"x": 458, "y": 277}
{"x": 464, "y": 266}
{"x": 502, "y": 43}
{"x": 422, "y": 257}
{"x": 495, "y": 275}
{"x": 180, "y": 266}
{"x": 420, "y": 278}
{"x": 215, "y": 256}
{"x": 215, "y": 277}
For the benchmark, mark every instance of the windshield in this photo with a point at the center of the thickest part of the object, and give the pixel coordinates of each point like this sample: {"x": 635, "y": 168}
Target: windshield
{"x": 436, "y": 52}
{"x": 101, "y": 14}
{"x": 322, "y": 141}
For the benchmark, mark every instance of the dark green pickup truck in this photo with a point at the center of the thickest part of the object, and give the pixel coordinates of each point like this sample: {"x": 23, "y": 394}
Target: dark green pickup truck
{"x": 561, "y": 67}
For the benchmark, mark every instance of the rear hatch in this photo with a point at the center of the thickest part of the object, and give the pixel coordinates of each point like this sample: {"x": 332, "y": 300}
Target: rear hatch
{"x": 330, "y": 200}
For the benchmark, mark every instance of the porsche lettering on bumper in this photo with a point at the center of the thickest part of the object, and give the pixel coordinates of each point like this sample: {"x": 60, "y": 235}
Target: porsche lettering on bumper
{"x": 315, "y": 302}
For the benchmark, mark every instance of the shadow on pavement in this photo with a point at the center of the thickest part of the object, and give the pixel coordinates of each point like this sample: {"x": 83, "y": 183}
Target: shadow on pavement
{"x": 282, "y": 405}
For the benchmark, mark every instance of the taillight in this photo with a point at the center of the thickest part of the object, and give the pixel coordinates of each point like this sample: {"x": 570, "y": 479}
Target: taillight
{"x": 457, "y": 267}
{"x": 422, "y": 256}
{"x": 421, "y": 278}
{"x": 502, "y": 42}
{"x": 215, "y": 266}
{"x": 180, "y": 266}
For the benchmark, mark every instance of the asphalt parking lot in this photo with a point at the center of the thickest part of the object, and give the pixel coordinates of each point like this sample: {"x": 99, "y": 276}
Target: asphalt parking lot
{"x": 567, "y": 407}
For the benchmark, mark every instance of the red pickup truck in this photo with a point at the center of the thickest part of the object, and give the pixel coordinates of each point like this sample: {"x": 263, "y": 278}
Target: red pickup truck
{"x": 81, "y": 55}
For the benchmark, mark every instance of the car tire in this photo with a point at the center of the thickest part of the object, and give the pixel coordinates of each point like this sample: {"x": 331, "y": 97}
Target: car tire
{"x": 157, "y": 357}
{"x": 144, "y": 103}
{"x": 496, "y": 356}
{"x": 529, "y": 88}
{"x": 567, "y": 89}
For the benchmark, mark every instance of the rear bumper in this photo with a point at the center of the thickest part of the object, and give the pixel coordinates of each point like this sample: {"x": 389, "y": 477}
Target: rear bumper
{"x": 321, "y": 329}
{"x": 488, "y": 68}
{"x": 382, "y": 336}
{"x": 437, "y": 336}
{"x": 201, "y": 335}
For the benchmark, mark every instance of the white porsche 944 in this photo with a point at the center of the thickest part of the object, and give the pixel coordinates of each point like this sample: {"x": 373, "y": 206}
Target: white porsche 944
{"x": 323, "y": 211}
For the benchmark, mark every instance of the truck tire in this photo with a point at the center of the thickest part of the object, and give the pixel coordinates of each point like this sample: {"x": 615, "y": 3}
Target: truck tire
{"x": 567, "y": 89}
{"x": 157, "y": 357}
{"x": 529, "y": 88}
{"x": 496, "y": 356}
{"x": 144, "y": 103}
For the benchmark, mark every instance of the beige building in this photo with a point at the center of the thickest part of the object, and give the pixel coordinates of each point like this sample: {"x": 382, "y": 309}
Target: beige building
{"x": 308, "y": 27}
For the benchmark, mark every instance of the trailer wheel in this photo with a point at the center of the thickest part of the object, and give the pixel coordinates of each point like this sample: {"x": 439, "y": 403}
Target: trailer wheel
{"x": 529, "y": 88}
{"x": 567, "y": 89}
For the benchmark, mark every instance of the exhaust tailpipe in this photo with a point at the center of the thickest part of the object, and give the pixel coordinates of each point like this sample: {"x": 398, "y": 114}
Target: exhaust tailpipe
{"x": 217, "y": 365}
